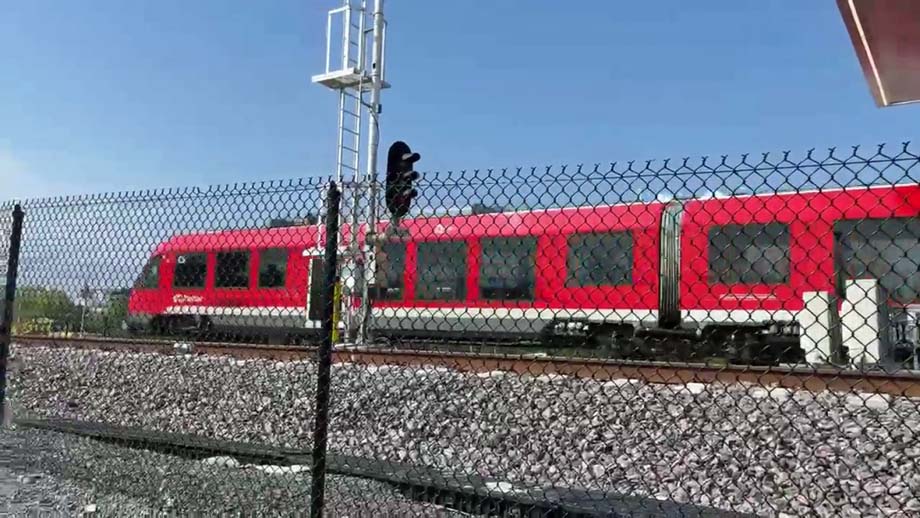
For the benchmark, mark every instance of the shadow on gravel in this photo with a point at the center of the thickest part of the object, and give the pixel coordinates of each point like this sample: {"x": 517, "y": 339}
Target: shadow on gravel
{"x": 184, "y": 473}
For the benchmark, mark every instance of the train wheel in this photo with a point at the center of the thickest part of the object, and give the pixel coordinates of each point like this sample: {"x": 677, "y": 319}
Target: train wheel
{"x": 604, "y": 342}
{"x": 204, "y": 328}
{"x": 612, "y": 342}
{"x": 159, "y": 326}
{"x": 302, "y": 339}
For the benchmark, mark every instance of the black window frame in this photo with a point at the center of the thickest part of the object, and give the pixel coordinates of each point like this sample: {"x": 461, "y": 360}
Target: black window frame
{"x": 182, "y": 260}
{"x": 575, "y": 257}
{"x": 731, "y": 262}
{"x": 521, "y": 291}
{"x": 219, "y": 273}
{"x": 440, "y": 250}
{"x": 384, "y": 286}
{"x": 285, "y": 254}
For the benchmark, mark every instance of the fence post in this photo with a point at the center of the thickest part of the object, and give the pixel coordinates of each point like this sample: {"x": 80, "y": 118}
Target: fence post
{"x": 6, "y": 324}
{"x": 324, "y": 355}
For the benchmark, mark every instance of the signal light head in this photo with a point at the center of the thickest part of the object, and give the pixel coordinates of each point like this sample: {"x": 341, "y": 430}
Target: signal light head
{"x": 400, "y": 176}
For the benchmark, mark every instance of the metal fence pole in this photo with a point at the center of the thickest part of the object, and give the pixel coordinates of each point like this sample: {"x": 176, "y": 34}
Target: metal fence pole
{"x": 324, "y": 355}
{"x": 6, "y": 325}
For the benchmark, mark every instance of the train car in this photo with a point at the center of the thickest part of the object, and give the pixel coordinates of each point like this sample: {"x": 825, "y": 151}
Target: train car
{"x": 249, "y": 283}
{"x": 753, "y": 260}
{"x": 554, "y": 273}
{"x": 687, "y": 278}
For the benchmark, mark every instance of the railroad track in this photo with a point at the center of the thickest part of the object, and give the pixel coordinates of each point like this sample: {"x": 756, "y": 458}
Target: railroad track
{"x": 793, "y": 377}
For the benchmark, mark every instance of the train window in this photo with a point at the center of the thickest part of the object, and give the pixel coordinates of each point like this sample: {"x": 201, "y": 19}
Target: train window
{"x": 883, "y": 249}
{"x": 150, "y": 275}
{"x": 749, "y": 254}
{"x": 506, "y": 271}
{"x": 273, "y": 267}
{"x": 600, "y": 259}
{"x": 190, "y": 271}
{"x": 232, "y": 270}
{"x": 391, "y": 267}
{"x": 441, "y": 271}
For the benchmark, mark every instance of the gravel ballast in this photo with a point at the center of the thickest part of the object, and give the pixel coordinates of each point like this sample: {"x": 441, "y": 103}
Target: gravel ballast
{"x": 736, "y": 447}
{"x": 46, "y": 473}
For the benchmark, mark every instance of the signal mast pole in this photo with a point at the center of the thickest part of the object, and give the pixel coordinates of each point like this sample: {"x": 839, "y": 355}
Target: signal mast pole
{"x": 373, "y": 143}
{"x": 352, "y": 75}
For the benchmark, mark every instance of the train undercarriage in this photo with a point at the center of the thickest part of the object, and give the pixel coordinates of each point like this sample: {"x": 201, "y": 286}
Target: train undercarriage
{"x": 749, "y": 343}
{"x": 769, "y": 343}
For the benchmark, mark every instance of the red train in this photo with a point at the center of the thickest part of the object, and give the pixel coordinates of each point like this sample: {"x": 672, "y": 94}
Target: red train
{"x": 692, "y": 278}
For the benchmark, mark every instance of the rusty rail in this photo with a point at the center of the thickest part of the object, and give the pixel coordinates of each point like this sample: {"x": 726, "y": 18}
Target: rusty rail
{"x": 905, "y": 383}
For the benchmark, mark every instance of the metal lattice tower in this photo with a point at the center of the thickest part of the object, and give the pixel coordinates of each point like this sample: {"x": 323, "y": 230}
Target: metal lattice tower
{"x": 353, "y": 72}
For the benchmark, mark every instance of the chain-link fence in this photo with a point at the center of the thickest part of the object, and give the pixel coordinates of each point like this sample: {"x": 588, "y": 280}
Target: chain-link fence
{"x": 735, "y": 260}
{"x": 687, "y": 338}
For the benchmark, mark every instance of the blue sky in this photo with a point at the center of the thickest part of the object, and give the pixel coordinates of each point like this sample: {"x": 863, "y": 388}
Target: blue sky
{"x": 111, "y": 95}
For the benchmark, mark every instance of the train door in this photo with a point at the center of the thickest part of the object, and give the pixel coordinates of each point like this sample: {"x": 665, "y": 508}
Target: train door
{"x": 842, "y": 251}
{"x": 669, "y": 267}
{"x": 315, "y": 290}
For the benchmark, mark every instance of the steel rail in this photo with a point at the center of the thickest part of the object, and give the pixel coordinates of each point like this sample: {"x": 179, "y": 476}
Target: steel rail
{"x": 815, "y": 379}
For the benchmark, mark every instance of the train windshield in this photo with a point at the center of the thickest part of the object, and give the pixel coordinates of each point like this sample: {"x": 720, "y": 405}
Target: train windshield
{"x": 149, "y": 277}
{"x": 883, "y": 249}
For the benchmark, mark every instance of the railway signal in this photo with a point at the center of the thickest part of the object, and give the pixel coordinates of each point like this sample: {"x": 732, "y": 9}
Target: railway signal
{"x": 400, "y": 177}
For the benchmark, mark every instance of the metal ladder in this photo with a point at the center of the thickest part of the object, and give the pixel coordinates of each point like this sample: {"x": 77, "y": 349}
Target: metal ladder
{"x": 351, "y": 98}
{"x": 348, "y": 156}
